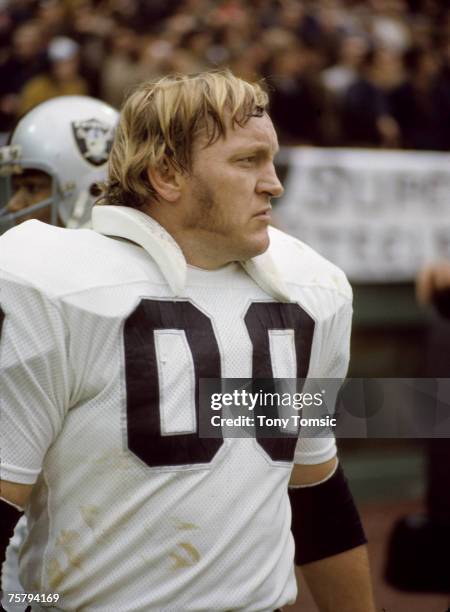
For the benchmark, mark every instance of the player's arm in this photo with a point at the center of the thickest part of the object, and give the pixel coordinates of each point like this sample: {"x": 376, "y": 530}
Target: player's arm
{"x": 15, "y": 492}
{"x": 329, "y": 538}
{"x": 330, "y": 544}
{"x": 304, "y": 475}
{"x": 34, "y": 389}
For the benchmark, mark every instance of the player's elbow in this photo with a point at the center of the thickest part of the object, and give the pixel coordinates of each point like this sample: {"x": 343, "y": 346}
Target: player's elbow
{"x": 15, "y": 492}
{"x": 304, "y": 475}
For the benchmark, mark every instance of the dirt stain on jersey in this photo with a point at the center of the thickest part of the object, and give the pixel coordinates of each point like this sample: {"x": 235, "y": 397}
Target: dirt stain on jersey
{"x": 186, "y": 557}
{"x": 104, "y": 536}
{"x": 68, "y": 541}
{"x": 55, "y": 574}
{"x": 183, "y": 525}
{"x": 112, "y": 460}
{"x": 90, "y": 515}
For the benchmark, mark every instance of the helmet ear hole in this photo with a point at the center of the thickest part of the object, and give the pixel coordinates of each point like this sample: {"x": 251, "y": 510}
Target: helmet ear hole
{"x": 94, "y": 190}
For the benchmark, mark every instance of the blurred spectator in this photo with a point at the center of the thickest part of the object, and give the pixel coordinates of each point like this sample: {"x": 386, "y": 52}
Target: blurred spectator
{"x": 387, "y": 69}
{"x": 417, "y": 102}
{"x": 443, "y": 95}
{"x": 25, "y": 61}
{"x": 121, "y": 69}
{"x": 298, "y": 102}
{"x": 248, "y": 65}
{"x": 338, "y": 77}
{"x": 366, "y": 119}
{"x": 54, "y": 18}
{"x": 6, "y": 24}
{"x": 62, "y": 78}
{"x": 197, "y": 42}
{"x": 389, "y": 24}
{"x": 156, "y": 58}
{"x": 92, "y": 27}
{"x": 20, "y": 11}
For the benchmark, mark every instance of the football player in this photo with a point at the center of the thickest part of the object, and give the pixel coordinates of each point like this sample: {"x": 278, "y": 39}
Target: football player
{"x": 35, "y": 169}
{"x": 107, "y": 335}
{"x": 418, "y": 550}
{"x": 57, "y": 155}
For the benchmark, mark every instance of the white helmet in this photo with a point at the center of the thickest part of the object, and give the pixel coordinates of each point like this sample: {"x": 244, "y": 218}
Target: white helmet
{"x": 69, "y": 138}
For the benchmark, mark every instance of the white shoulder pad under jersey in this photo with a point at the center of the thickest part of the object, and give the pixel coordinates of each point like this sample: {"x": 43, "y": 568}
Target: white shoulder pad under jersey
{"x": 300, "y": 265}
{"x": 59, "y": 261}
{"x": 322, "y": 290}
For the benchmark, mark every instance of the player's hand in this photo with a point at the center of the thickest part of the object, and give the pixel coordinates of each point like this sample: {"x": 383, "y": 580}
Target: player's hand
{"x": 433, "y": 284}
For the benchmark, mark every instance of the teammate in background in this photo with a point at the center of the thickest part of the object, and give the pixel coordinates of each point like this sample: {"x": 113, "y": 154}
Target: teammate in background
{"x": 181, "y": 279}
{"x": 57, "y": 155}
{"x": 43, "y": 153}
{"x": 419, "y": 545}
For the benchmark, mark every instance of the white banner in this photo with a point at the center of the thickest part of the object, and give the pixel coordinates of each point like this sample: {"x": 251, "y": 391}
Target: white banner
{"x": 379, "y": 215}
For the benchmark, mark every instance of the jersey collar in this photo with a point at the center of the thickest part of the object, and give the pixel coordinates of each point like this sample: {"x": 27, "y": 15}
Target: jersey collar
{"x": 134, "y": 225}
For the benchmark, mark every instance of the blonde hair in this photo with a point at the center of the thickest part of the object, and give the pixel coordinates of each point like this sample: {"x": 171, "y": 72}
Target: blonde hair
{"x": 162, "y": 119}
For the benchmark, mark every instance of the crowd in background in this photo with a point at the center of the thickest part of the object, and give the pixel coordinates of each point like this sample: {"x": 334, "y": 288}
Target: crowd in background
{"x": 340, "y": 72}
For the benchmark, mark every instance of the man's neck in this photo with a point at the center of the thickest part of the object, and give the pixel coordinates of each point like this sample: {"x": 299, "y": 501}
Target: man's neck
{"x": 197, "y": 252}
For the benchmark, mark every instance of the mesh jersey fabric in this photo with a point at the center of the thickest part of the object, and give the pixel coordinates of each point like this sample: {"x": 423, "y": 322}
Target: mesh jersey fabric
{"x": 107, "y": 530}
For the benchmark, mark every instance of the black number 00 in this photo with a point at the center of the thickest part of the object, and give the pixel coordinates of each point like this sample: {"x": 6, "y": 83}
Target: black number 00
{"x": 143, "y": 410}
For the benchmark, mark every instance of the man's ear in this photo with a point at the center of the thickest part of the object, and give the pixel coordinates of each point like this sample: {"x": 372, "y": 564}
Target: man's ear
{"x": 166, "y": 180}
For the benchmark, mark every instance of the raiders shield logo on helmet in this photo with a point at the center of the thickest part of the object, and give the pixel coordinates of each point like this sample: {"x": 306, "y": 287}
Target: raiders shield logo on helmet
{"x": 94, "y": 140}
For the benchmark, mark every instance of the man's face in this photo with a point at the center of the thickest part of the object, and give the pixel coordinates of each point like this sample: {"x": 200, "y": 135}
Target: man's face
{"x": 27, "y": 42}
{"x": 31, "y": 187}
{"x": 227, "y": 195}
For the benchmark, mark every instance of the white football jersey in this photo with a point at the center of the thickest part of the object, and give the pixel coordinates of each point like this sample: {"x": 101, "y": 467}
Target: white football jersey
{"x": 103, "y": 342}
